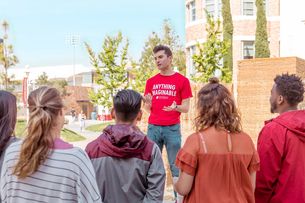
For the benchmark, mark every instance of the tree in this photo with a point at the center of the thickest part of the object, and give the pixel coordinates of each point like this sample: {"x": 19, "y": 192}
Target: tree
{"x": 59, "y": 84}
{"x": 146, "y": 66}
{"x": 42, "y": 79}
{"x": 171, "y": 39}
{"x": 210, "y": 54}
{"x": 7, "y": 57}
{"x": 261, "y": 35}
{"x": 227, "y": 25}
{"x": 110, "y": 66}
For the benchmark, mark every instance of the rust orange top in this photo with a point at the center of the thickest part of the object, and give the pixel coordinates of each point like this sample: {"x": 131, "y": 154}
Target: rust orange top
{"x": 221, "y": 164}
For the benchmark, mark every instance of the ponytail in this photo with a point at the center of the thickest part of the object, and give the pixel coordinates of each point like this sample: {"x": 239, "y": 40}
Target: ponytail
{"x": 45, "y": 104}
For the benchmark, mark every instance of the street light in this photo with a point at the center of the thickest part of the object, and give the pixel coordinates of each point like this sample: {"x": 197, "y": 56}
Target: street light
{"x": 73, "y": 40}
{"x": 25, "y": 90}
{"x": 2, "y": 50}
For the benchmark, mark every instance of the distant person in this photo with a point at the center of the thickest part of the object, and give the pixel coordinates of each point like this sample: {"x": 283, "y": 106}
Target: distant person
{"x": 218, "y": 162}
{"x": 167, "y": 95}
{"x": 128, "y": 166}
{"x": 42, "y": 167}
{"x": 73, "y": 114}
{"x": 281, "y": 145}
{"x": 8, "y": 115}
{"x": 82, "y": 120}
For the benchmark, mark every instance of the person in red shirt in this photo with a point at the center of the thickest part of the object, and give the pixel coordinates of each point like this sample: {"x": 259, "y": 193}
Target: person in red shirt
{"x": 167, "y": 95}
{"x": 281, "y": 145}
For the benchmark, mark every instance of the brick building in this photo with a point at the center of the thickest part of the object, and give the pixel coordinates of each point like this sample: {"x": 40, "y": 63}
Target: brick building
{"x": 244, "y": 22}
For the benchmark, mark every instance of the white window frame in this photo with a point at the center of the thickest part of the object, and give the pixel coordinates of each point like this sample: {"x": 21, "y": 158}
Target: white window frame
{"x": 192, "y": 11}
{"x": 192, "y": 51}
{"x": 243, "y": 46}
{"x": 243, "y": 10}
{"x": 254, "y": 7}
{"x": 217, "y": 6}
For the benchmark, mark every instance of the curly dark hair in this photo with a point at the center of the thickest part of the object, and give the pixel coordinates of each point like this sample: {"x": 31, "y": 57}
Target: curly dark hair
{"x": 216, "y": 108}
{"x": 290, "y": 87}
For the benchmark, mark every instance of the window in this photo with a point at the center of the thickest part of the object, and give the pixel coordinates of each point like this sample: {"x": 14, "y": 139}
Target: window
{"x": 248, "y": 7}
{"x": 213, "y": 7}
{"x": 192, "y": 51}
{"x": 210, "y": 7}
{"x": 192, "y": 11}
{"x": 248, "y": 49}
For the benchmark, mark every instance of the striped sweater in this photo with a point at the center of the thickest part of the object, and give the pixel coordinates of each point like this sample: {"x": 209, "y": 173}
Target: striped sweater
{"x": 66, "y": 176}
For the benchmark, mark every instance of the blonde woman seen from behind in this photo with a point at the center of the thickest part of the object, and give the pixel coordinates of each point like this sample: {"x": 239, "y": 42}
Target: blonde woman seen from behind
{"x": 42, "y": 167}
{"x": 218, "y": 162}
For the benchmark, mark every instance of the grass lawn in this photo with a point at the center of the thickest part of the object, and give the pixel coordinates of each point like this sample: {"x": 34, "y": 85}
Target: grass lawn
{"x": 67, "y": 135}
{"x": 99, "y": 127}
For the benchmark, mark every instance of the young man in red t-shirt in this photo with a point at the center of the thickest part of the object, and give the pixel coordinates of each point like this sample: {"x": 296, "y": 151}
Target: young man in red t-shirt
{"x": 167, "y": 95}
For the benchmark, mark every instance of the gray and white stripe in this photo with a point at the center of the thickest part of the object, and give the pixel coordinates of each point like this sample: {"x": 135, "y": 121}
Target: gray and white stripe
{"x": 66, "y": 176}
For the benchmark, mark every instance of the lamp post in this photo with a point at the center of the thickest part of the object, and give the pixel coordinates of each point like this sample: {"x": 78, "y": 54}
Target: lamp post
{"x": 2, "y": 50}
{"x": 73, "y": 40}
{"x": 26, "y": 90}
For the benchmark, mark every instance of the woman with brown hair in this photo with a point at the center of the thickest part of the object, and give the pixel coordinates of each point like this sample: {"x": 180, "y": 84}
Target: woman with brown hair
{"x": 8, "y": 114}
{"x": 218, "y": 162}
{"x": 42, "y": 167}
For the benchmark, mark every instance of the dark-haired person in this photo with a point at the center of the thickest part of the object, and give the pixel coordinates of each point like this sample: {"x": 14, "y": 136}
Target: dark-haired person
{"x": 8, "y": 114}
{"x": 167, "y": 95}
{"x": 42, "y": 167}
{"x": 281, "y": 145}
{"x": 128, "y": 166}
{"x": 218, "y": 162}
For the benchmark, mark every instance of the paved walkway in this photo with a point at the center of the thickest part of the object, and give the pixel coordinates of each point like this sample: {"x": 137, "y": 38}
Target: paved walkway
{"x": 90, "y": 136}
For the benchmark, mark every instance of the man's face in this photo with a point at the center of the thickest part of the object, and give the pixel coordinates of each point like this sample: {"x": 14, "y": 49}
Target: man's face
{"x": 162, "y": 60}
{"x": 274, "y": 99}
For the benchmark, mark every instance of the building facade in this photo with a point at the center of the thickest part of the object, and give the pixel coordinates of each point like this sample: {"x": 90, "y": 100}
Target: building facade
{"x": 244, "y": 22}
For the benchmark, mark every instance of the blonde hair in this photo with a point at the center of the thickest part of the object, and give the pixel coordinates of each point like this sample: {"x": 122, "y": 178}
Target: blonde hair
{"x": 216, "y": 108}
{"x": 45, "y": 104}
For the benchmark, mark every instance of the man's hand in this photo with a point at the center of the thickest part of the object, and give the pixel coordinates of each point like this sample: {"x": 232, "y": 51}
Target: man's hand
{"x": 147, "y": 99}
{"x": 147, "y": 102}
{"x": 172, "y": 107}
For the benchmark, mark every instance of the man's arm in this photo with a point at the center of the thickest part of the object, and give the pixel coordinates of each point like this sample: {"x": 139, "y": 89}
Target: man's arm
{"x": 183, "y": 108}
{"x": 270, "y": 152}
{"x": 147, "y": 102}
{"x": 155, "y": 178}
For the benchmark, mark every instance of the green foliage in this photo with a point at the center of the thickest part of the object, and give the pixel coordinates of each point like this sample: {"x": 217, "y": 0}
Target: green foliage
{"x": 261, "y": 35}
{"x": 146, "y": 67}
{"x": 42, "y": 79}
{"x": 208, "y": 58}
{"x": 59, "y": 84}
{"x": 171, "y": 39}
{"x": 7, "y": 56}
{"x": 110, "y": 65}
{"x": 227, "y": 25}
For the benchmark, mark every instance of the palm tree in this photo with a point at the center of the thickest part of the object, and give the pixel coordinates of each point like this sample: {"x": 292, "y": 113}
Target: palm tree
{"x": 7, "y": 57}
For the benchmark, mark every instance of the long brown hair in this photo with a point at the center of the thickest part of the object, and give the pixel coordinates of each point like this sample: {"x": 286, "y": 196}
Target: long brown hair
{"x": 216, "y": 108}
{"x": 8, "y": 114}
{"x": 45, "y": 105}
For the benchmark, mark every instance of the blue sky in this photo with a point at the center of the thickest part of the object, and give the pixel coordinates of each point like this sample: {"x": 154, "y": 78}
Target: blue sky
{"x": 38, "y": 28}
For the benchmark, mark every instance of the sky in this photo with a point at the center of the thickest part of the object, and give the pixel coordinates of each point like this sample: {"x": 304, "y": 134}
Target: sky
{"x": 39, "y": 28}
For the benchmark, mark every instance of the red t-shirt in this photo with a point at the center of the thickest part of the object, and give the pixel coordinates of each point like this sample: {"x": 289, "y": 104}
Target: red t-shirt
{"x": 165, "y": 90}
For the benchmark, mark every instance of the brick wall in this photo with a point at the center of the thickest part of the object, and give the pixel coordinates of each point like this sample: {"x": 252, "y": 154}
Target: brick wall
{"x": 254, "y": 83}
